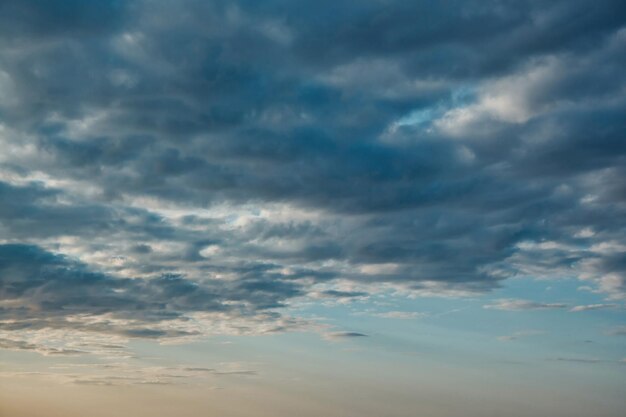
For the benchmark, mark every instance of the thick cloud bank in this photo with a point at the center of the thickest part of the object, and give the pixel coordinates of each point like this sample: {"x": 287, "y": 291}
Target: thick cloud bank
{"x": 163, "y": 162}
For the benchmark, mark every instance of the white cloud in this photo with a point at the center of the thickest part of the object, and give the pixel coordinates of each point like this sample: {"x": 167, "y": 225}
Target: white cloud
{"x": 593, "y": 307}
{"x": 403, "y": 315}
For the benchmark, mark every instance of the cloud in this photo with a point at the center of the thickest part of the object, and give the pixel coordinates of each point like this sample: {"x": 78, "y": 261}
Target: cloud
{"x": 618, "y": 331}
{"x": 44, "y": 350}
{"x": 33, "y": 19}
{"x": 520, "y": 334}
{"x": 43, "y": 292}
{"x": 343, "y": 335}
{"x": 163, "y": 162}
{"x": 344, "y": 294}
{"x": 403, "y": 315}
{"x": 580, "y": 360}
{"x": 589, "y": 307}
{"x": 138, "y": 373}
{"x": 522, "y": 305}
{"x": 587, "y": 360}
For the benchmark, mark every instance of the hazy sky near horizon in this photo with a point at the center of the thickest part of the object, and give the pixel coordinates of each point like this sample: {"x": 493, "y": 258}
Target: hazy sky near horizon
{"x": 343, "y": 208}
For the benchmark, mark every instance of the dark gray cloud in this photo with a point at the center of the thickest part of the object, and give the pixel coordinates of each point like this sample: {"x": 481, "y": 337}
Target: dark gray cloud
{"x": 344, "y": 335}
{"x": 161, "y": 159}
{"x": 39, "y": 19}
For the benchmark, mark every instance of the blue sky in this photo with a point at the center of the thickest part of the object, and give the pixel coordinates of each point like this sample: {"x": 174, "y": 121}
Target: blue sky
{"x": 277, "y": 208}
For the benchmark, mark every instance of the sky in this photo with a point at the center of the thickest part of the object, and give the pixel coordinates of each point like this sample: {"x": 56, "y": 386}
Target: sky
{"x": 294, "y": 208}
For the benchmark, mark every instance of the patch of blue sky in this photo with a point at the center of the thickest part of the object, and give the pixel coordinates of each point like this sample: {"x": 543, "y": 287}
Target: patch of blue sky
{"x": 422, "y": 117}
{"x": 444, "y": 326}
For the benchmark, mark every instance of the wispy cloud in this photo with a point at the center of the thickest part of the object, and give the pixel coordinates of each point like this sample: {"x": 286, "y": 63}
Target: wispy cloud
{"x": 123, "y": 374}
{"x": 589, "y": 307}
{"x": 580, "y": 360}
{"x": 402, "y": 315}
{"x": 523, "y": 305}
{"x": 618, "y": 331}
{"x": 44, "y": 350}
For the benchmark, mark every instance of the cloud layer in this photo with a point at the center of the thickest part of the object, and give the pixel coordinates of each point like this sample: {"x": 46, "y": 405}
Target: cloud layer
{"x": 163, "y": 162}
